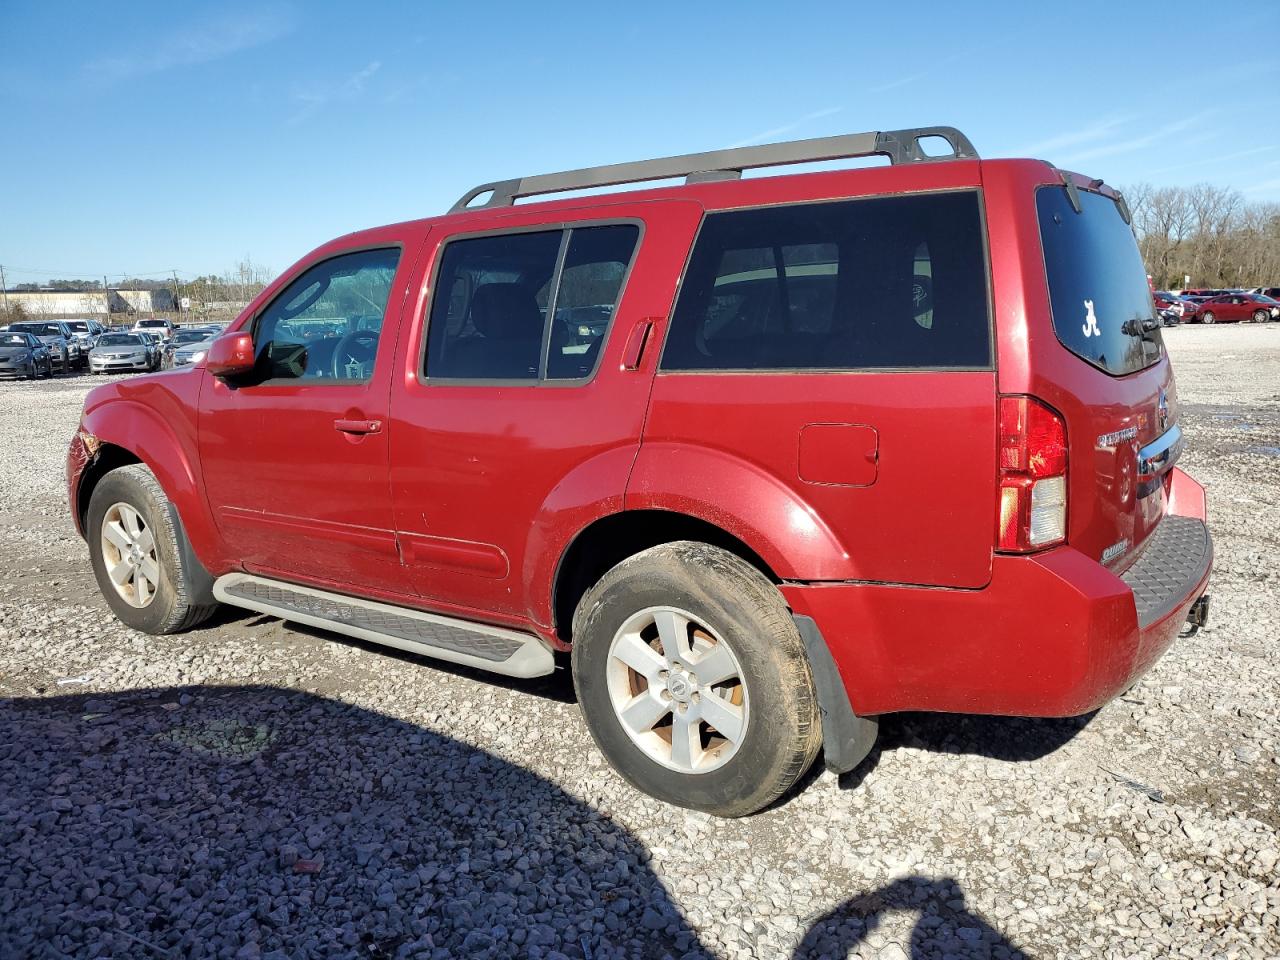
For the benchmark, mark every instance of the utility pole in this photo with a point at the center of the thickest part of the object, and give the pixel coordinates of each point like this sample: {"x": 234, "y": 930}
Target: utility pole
{"x": 106, "y": 298}
{"x": 4, "y": 290}
{"x": 177, "y": 295}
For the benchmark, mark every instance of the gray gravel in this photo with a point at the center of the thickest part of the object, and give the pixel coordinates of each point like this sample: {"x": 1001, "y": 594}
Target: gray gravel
{"x": 257, "y": 790}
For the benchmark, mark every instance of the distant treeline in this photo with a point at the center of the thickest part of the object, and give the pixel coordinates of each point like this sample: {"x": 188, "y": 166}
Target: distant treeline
{"x": 1210, "y": 234}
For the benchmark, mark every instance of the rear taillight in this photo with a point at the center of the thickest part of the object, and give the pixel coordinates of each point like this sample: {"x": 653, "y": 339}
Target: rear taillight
{"x": 1031, "y": 512}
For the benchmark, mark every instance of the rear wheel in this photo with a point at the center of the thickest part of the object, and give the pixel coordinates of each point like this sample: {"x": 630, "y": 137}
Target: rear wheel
{"x": 133, "y": 534}
{"x": 693, "y": 679}
{"x": 1207, "y": 316}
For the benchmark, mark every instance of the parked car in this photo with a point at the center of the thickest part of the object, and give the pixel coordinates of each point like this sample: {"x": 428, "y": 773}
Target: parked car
{"x": 23, "y": 354}
{"x": 122, "y": 353}
{"x": 834, "y": 479}
{"x": 155, "y": 342}
{"x": 57, "y": 336}
{"x": 192, "y": 351}
{"x": 86, "y": 333}
{"x": 157, "y": 325}
{"x": 1170, "y": 308}
{"x": 1272, "y": 292}
{"x": 183, "y": 337}
{"x": 1239, "y": 306}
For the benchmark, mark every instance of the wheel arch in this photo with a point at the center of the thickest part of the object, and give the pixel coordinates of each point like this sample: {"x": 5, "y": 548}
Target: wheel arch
{"x": 608, "y": 540}
{"x": 124, "y": 431}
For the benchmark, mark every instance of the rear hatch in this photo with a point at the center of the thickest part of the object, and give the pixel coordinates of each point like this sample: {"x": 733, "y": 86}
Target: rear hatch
{"x": 1119, "y": 399}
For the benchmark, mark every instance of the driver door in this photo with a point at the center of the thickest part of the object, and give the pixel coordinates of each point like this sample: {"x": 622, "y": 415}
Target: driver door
{"x": 294, "y": 456}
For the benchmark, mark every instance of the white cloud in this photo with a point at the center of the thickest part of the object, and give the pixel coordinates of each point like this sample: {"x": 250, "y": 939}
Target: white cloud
{"x": 774, "y": 132}
{"x": 349, "y": 89}
{"x": 196, "y": 43}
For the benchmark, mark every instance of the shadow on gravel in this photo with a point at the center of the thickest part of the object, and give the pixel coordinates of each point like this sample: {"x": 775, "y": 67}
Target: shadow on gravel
{"x": 946, "y": 927}
{"x": 256, "y": 821}
{"x": 1012, "y": 739}
{"x": 259, "y": 822}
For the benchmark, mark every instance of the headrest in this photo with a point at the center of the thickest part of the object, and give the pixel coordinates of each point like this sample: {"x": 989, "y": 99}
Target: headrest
{"x": 506, "y": 311}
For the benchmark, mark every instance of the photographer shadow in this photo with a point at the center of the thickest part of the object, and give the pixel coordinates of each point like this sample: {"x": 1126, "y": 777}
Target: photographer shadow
{"x": 946, "y": 927}
{"x": 259, "y": 822}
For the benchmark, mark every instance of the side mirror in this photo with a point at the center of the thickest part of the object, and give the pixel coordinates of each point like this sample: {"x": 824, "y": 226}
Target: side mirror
{"x": 230, "y": 356}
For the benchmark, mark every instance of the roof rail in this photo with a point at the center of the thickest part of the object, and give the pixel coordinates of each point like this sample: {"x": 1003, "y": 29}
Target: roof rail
{"x": 900, "y": 146}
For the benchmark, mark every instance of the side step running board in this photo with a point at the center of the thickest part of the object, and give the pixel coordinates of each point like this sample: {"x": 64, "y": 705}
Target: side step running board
{"x": 495, "y": 649}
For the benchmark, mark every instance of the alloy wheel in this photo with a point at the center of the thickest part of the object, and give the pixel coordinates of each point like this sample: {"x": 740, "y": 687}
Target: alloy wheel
{"x": 678, "y": 690}
{"x": 129, "y": 554}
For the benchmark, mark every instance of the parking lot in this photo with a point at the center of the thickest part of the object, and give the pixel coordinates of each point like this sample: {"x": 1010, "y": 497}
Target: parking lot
{"x": 255, "y": 789}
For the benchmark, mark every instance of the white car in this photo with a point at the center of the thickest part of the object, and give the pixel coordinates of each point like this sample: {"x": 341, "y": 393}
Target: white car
{"x": 158, "y": 326}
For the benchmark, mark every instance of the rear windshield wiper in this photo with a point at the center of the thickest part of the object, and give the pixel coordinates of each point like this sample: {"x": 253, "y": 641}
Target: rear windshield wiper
{"x": 1141, "y": 328}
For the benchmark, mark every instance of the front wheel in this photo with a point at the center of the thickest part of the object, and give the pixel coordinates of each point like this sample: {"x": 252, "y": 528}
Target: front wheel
{"x": 1260, "y": 316}
{"x": 693, "y": 679}
{"x": 1207, "y": 317}
{"x": 133, "y": 536}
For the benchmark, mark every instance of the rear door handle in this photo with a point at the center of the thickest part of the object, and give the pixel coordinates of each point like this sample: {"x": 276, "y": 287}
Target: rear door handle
{"x": 635, "y": 345}
{"x": 358, "y": 426}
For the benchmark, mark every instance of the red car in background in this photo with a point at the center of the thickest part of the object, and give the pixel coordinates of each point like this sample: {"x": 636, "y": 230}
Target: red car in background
{"x": 1182, "y": 309}
{"x": 1234, "y": 307}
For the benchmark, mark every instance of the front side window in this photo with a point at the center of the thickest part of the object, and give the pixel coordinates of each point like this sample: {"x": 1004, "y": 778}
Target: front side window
{"x": 529, "y": 306}
{"x": 324, "y": 328}
{"x": 885, "y": 282}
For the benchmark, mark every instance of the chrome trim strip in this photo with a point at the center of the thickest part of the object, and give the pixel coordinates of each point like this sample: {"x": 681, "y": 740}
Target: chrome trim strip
{"x": 1160, "y": 454}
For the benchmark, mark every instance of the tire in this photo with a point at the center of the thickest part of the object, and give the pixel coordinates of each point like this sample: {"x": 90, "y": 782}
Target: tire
{"x": 771, "y": 694}
{"x": 1260, "y": 316}
{"x": 1207, "y": 317}
{"x": 172, "y": 605}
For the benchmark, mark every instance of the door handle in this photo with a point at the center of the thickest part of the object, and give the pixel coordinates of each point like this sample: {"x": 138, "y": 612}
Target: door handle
{"x": 634, "y": 349}
{"x": 358, "y": 426}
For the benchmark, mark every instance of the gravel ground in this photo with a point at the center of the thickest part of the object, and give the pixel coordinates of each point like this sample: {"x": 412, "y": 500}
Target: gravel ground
{"x": 258, "y": 790}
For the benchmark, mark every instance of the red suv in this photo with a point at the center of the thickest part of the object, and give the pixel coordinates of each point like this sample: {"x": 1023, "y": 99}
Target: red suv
{"x": 767, "y": 457}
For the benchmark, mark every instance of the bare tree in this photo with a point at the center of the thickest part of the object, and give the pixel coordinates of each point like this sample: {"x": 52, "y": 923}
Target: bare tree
{"x": 1207, "y": 233}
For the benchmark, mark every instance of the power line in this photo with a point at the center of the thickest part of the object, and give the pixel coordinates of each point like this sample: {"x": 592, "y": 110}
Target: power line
{"x": 140, "y": 274}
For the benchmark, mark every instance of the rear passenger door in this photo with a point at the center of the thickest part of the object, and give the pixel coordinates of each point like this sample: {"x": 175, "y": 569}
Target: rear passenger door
{"x": 525, "y": 383}
{"x": 842, "y": 350}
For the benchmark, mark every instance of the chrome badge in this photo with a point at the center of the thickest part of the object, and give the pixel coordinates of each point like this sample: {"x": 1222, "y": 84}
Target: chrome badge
{"x": 1114, "y": 550}
{"x": 1117, "y": 437}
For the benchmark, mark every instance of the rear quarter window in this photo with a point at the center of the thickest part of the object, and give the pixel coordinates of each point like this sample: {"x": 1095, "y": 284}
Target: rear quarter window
{"x": 1098, "y": 292}
{"x": 874, "y": 283}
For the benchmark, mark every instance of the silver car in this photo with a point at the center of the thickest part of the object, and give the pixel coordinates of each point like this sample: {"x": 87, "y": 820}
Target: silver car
{"x": 57, "y": 337}
{"x": 190, "y": 353}
{"x": 121, "y": 353}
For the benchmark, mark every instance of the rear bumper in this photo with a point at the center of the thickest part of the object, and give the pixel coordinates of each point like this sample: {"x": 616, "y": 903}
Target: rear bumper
{"x": 1052, "y": 635}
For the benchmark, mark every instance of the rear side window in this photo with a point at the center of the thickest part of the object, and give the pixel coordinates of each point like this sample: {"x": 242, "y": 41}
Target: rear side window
{"x": 885, "y": 282}
{"x": 527, "y": 306}
{"x": 1098, "y": 289}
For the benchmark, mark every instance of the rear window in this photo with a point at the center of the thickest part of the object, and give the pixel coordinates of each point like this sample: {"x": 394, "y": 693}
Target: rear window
{"x": 1097, "y": 283}
{"x": 883, "y": 282}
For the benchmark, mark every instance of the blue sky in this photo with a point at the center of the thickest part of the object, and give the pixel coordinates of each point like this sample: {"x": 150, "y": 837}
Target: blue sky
{"x": 144, "y": 137}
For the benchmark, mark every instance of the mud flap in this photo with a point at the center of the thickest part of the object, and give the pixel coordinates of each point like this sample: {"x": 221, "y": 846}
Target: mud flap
{"x": 846, "y": 737}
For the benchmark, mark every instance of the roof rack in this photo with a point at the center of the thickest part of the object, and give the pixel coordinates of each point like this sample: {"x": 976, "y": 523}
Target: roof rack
{"x": 900, "y": 146}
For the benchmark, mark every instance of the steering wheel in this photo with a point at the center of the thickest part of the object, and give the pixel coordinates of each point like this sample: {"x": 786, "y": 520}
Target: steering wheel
{"x": 359, "y": 346}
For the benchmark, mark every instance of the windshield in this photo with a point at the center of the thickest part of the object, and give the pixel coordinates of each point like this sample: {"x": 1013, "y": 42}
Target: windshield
{"x": 1098, "y": 289}
{"x": 79, "y": 326}
{"x": 39, "y": 329}
{"x": 119, "y": 340}
{"x": 13, "y": 340}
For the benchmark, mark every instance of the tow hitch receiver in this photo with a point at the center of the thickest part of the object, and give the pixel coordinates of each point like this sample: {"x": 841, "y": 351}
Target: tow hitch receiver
{"x": 1197, "y": 616}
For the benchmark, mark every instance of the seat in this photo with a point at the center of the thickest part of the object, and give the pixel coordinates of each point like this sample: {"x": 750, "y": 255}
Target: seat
{"x": 507, "y": 339}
